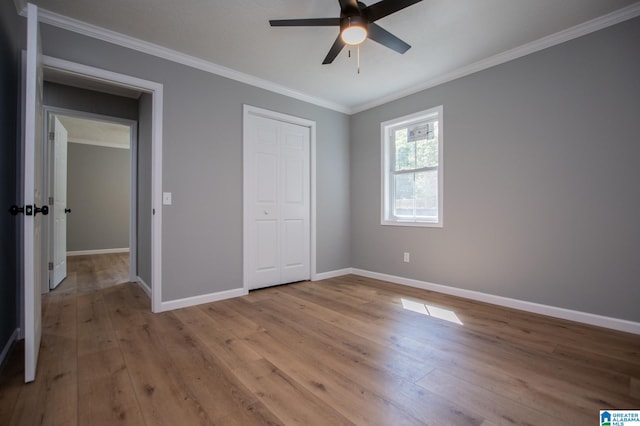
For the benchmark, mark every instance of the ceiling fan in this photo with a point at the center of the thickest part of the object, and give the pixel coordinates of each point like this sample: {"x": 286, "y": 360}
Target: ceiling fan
{"x": 356, "y": 23}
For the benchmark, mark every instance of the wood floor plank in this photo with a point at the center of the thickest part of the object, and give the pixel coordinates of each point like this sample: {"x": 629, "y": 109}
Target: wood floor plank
{"x": 495, "y": 408}
{"x": 339, "y": 351}
{"x": 225, "y": 315}
{"x": 345, "y": 341}
{"x": 106, "y": 393}
{"x": 278, "y": 391}
{"x": 512, "y": 352}
{"x": 315, "y": 293}
{"x": 95, "y": 331}
{"x": 369, "y": 330}
{"x": 55, "y": 389}
{"x": 161, "y": 393}
{"x": 634, "y": 388}
{"x": 532, "y": 391}
{"x": 122, "y": 306}
{"x": 614, "y": 343}
{"x": 216, "y": 390}
{"x": 11, "y": 381}
{"x": 596, "y": 360}
{"x": 227, "y": 346}
{"x": 376, "y": 377}
{"x": 354, "y": 401}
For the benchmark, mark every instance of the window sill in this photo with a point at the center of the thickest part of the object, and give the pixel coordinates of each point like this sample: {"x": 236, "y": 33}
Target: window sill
{"x": 411, "y": 223}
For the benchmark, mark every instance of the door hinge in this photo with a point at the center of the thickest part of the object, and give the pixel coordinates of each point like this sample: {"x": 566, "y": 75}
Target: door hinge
{"x": 51, "y": 266}
{"x": 50, "y": 201}
{"x": 52, "y": 136}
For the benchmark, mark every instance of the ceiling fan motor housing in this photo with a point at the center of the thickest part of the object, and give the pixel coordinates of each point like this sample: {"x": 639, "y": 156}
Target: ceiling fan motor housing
{"x": 354, "y": 20}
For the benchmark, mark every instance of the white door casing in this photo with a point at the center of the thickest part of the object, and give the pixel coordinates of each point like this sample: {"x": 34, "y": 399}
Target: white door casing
{"x": 277, "y": 202}
{"x": 32, "y": 196}
{"x": 59, "y": 218}
{"x": 156, "y": 90}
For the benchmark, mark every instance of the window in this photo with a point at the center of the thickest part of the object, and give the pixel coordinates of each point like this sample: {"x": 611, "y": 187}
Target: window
{"x": 412, "y": 169}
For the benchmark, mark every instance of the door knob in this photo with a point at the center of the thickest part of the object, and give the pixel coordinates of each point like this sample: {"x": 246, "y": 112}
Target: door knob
{"x": 67, "y": 210}
{"x": 14, "y": 210}
{"x": 44, "y": 210}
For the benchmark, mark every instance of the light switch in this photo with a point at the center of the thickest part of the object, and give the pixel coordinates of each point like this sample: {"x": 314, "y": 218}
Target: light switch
{"x": 166, "y": 198}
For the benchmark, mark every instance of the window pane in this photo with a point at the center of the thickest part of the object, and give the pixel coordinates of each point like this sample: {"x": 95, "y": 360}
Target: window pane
{"x": 403, "y": 195}
{"x": 427, "y": 153}
{"x": 404, "y": 151}
{"x": 426, "y": 190}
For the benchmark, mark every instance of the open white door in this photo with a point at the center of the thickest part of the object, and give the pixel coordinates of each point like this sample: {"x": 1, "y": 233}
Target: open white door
{"x": 59, "y": 219}
{"x": 34, "y": 207}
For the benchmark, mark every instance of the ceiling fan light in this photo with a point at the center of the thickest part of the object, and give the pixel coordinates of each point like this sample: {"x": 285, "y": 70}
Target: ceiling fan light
{"x": 354, "y": 34}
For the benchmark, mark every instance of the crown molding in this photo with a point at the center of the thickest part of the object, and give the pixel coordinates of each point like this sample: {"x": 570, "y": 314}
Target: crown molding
{"x": 579, "y": 30}
{"x": 89, "y": 30}
{"x": 113, "y": 37}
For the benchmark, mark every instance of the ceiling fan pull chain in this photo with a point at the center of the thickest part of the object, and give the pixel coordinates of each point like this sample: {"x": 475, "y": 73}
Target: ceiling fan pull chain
{"x": 358, "y": 47}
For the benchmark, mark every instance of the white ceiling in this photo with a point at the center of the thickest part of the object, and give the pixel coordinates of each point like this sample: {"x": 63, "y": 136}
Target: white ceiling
{"x": 446, "y": 36}
{"x": 94, "y": 132}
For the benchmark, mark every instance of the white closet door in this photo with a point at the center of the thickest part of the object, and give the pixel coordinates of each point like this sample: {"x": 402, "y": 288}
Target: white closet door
{"x": 264, "y": 231}
{"x": 294, "y": 203}
{"x": 278, "y": 188}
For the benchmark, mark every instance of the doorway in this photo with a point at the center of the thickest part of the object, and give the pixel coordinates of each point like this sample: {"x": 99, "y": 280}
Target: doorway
{"x": 149, "y": 167}
{"x": 94, "y": 211}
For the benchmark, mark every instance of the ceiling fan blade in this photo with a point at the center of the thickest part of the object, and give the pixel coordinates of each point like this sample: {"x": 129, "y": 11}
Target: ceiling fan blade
{"x": 333, "y": 52}
{"x": 386, "y": 7}
{"x": 385, "y": 38}
{"x": 313, "y": 22}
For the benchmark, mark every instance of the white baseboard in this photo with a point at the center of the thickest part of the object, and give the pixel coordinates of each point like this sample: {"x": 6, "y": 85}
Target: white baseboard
{"x": 14, "y": 336}
{"x": 331, "y": 274}
{"x": 144, "y": 286}
{"x": 98, "y": 251}
{"x": 198, "y": 300}
{"x": 537, "y": 308}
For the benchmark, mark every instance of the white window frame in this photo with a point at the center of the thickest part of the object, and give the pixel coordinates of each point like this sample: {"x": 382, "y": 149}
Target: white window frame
{"x": 386, "y": 217}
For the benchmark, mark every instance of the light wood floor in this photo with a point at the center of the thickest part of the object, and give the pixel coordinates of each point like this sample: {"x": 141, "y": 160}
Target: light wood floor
{"x": 339, "y": 351}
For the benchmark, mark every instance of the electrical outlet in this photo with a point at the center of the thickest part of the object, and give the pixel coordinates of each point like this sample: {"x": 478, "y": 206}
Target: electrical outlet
{"x": 407, "y": 257}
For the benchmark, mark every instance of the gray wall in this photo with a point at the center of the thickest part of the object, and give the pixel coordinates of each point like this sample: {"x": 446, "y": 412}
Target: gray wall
{"x": 541, "y": 180}
{"x": 202, "y": 165}
{"x": 144, "y": 189}
{"x": 12, "y": 39}
{"x": 98, "y": 195}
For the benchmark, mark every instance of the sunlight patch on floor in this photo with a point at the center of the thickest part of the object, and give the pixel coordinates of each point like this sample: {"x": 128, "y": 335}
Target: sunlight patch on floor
{"x": 432, "y": 311}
